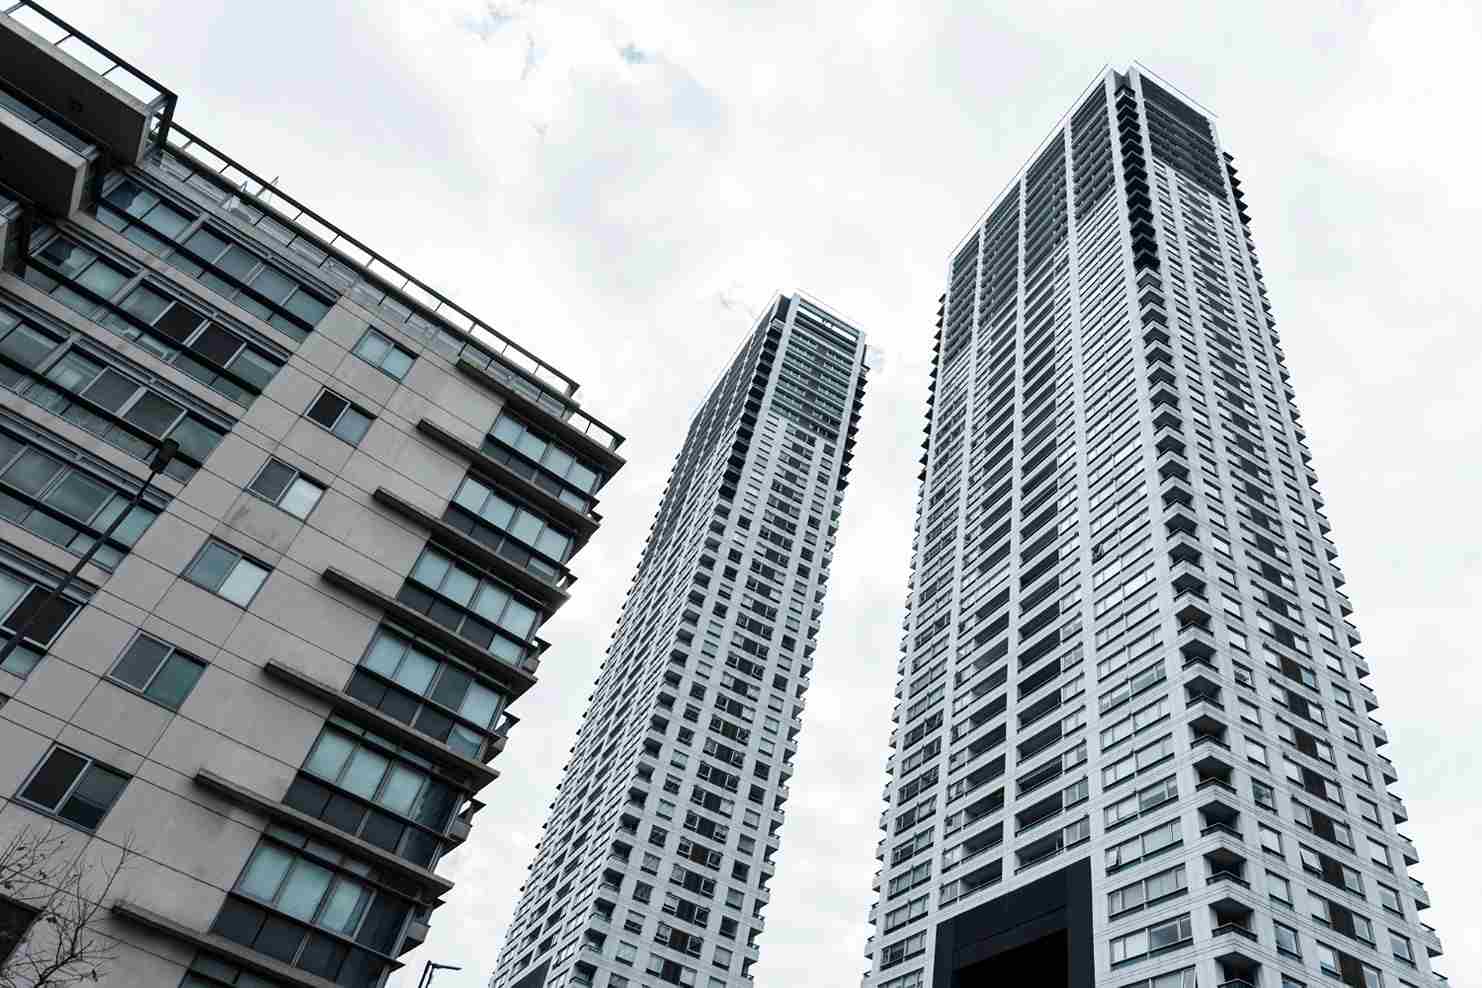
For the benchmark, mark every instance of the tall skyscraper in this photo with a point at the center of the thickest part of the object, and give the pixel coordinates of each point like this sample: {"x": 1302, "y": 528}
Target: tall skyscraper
{"x": 1133, "y": 743}
{"x": 281, "y": 678}
{"x": 654, "y": 863}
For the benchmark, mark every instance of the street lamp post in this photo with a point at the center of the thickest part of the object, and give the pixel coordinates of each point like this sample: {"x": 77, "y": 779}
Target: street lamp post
{"x": 163, "y": 454}
{"x": 429, "y": 969}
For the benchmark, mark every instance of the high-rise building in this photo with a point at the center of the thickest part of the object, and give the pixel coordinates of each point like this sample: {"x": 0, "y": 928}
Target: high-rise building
{"x": 280, "y": 680}
{"x": 1133, "y": 743}
{"x": 654, "y": 863}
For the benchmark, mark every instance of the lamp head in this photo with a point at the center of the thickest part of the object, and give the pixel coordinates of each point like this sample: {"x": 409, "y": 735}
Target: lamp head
{"x": 163, "y": 454}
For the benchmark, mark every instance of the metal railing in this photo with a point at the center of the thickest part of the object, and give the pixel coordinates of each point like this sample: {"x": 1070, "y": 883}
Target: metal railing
{"x": 62, "y": 36}
{"x": 373, "y": 280}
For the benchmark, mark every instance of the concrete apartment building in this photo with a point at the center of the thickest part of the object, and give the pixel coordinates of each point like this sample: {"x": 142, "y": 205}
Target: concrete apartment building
{"x": 281, "y": 678}
{"x": 1133, "y": 743}
{"x": 654, "y": 862}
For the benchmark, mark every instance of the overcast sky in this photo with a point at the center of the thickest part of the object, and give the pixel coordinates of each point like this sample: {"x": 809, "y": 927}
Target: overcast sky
{"x": 622, "y": 184}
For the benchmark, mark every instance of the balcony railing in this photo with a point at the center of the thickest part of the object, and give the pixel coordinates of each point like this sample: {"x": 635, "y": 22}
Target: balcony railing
{"x": 310, "y": 238}
{"x": 78, "y": 46}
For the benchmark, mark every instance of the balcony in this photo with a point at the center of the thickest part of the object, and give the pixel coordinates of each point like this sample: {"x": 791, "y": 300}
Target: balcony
{"x": 46, "y": 162}
{"x": 516, "y": 679}
{"x": 1196, "y": 643}
{"x": 1226, "y": 865}
{"x": 1431, "y": 939}
{"x": 1219, "y": 817}
{"x": 1397, "y": 807}
{"x": 1191, "y": 613}
{"x": 583, "y": 522}
{"x": 1204, "y": 729}
{"x": 1407, "y": 849}
{"x": 1210, "y": 772}
{"x": 93, "y": 91}
{"x": 1232, "y": 916}
{"x": 1381, "y": 736}
{"x": 547, "y": 587}
{"x": 1187, "y": 578}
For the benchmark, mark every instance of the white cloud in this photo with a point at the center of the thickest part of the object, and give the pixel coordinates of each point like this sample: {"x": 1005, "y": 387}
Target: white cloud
{"x": 623, "y": 216}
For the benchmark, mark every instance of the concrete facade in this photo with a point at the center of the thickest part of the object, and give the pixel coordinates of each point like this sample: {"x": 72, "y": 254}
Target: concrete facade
{"x": 233, "y": 741}
{"x": 1127, "y": 659}
{"x": 654, "y": 862}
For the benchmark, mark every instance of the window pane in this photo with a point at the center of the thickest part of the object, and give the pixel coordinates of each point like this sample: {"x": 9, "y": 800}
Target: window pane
{"x": 103, "y": 279}
{"x": 216, "y": 345}
{"x": 431, "y": 569}
{"x": 196, "y": 439}
{"x": 491, "y": 603}
{"x": 346, "y": 904}
{"x": 48, "y": 619}
{"x": 519, "y": 619}
{"x": 93, "y": 797}
{"x": 32, "y": 471}
{"x": 400, "y": 791}
{"x": 27, "y": 346}
{"x": 397, "y": 363}
{"x": 273, "y": 284}
{"x": 372, "y": 347}
{"x": 471, "y": 495}
{"x": 254, "y": 368}
{"x": 54, "y": 777}
{"x": 416, "y": 671}
{"x": 79, "y": 496}
{"x": 554, "y": 544}
{"x": 384, "y": 654}
{"x": 176, "y": 680}
{"x": 140, "y": 661}
{"x": 213, "y": 565}
{"x": 352, "y": 426}
{"x": 301, "y": 497}
{"x": 363, "y": 776}
{"x": 153, "y": 414}
{"x": 243, "y": 583}
{"x": 451, "y": 687}
{"x": 306, "y": 885}
{"x": 206, "y": 244}
{"x": 273, "y": 480}
{"x": 329, "y": 755}
{"x": 326, "y": 409}
{"x": 459, "y": 586}
{"x": 481, "y": 705}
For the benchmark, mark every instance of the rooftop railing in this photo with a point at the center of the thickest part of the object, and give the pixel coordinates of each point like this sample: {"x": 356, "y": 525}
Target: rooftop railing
{"x": 373, "y": 280}
{"x": 71, "y": 42}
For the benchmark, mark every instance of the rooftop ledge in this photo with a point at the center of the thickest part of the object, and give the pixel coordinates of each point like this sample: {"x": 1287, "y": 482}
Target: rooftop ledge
{"x": 305, "y": 232}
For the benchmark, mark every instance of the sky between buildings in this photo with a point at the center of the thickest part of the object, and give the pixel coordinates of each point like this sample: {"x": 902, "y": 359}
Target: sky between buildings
{"x": 622, "y": 184}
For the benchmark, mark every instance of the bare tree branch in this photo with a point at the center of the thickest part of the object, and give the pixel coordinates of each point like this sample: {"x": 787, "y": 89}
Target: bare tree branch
{"x": 65, "y": 898}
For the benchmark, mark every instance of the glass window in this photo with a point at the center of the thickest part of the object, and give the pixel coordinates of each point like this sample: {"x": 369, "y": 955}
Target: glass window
{"x": 472, "y": 706}
{"x": 381, "y": 352}
{"x": 74, "y": 787}
{"x": 307, "y": 886}
{"x": 227, "y": 573}
{"x": 64, "y": 503}
{"x": 209, "y": 255}
{"x": 339, "y": 417}
{"x": 1286, "y": 940}
{"x": 158, "y": 670}
{"x": 481, "y": 605}
{"x": 288, "y": 488}
{"x": 24, "y": 602}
